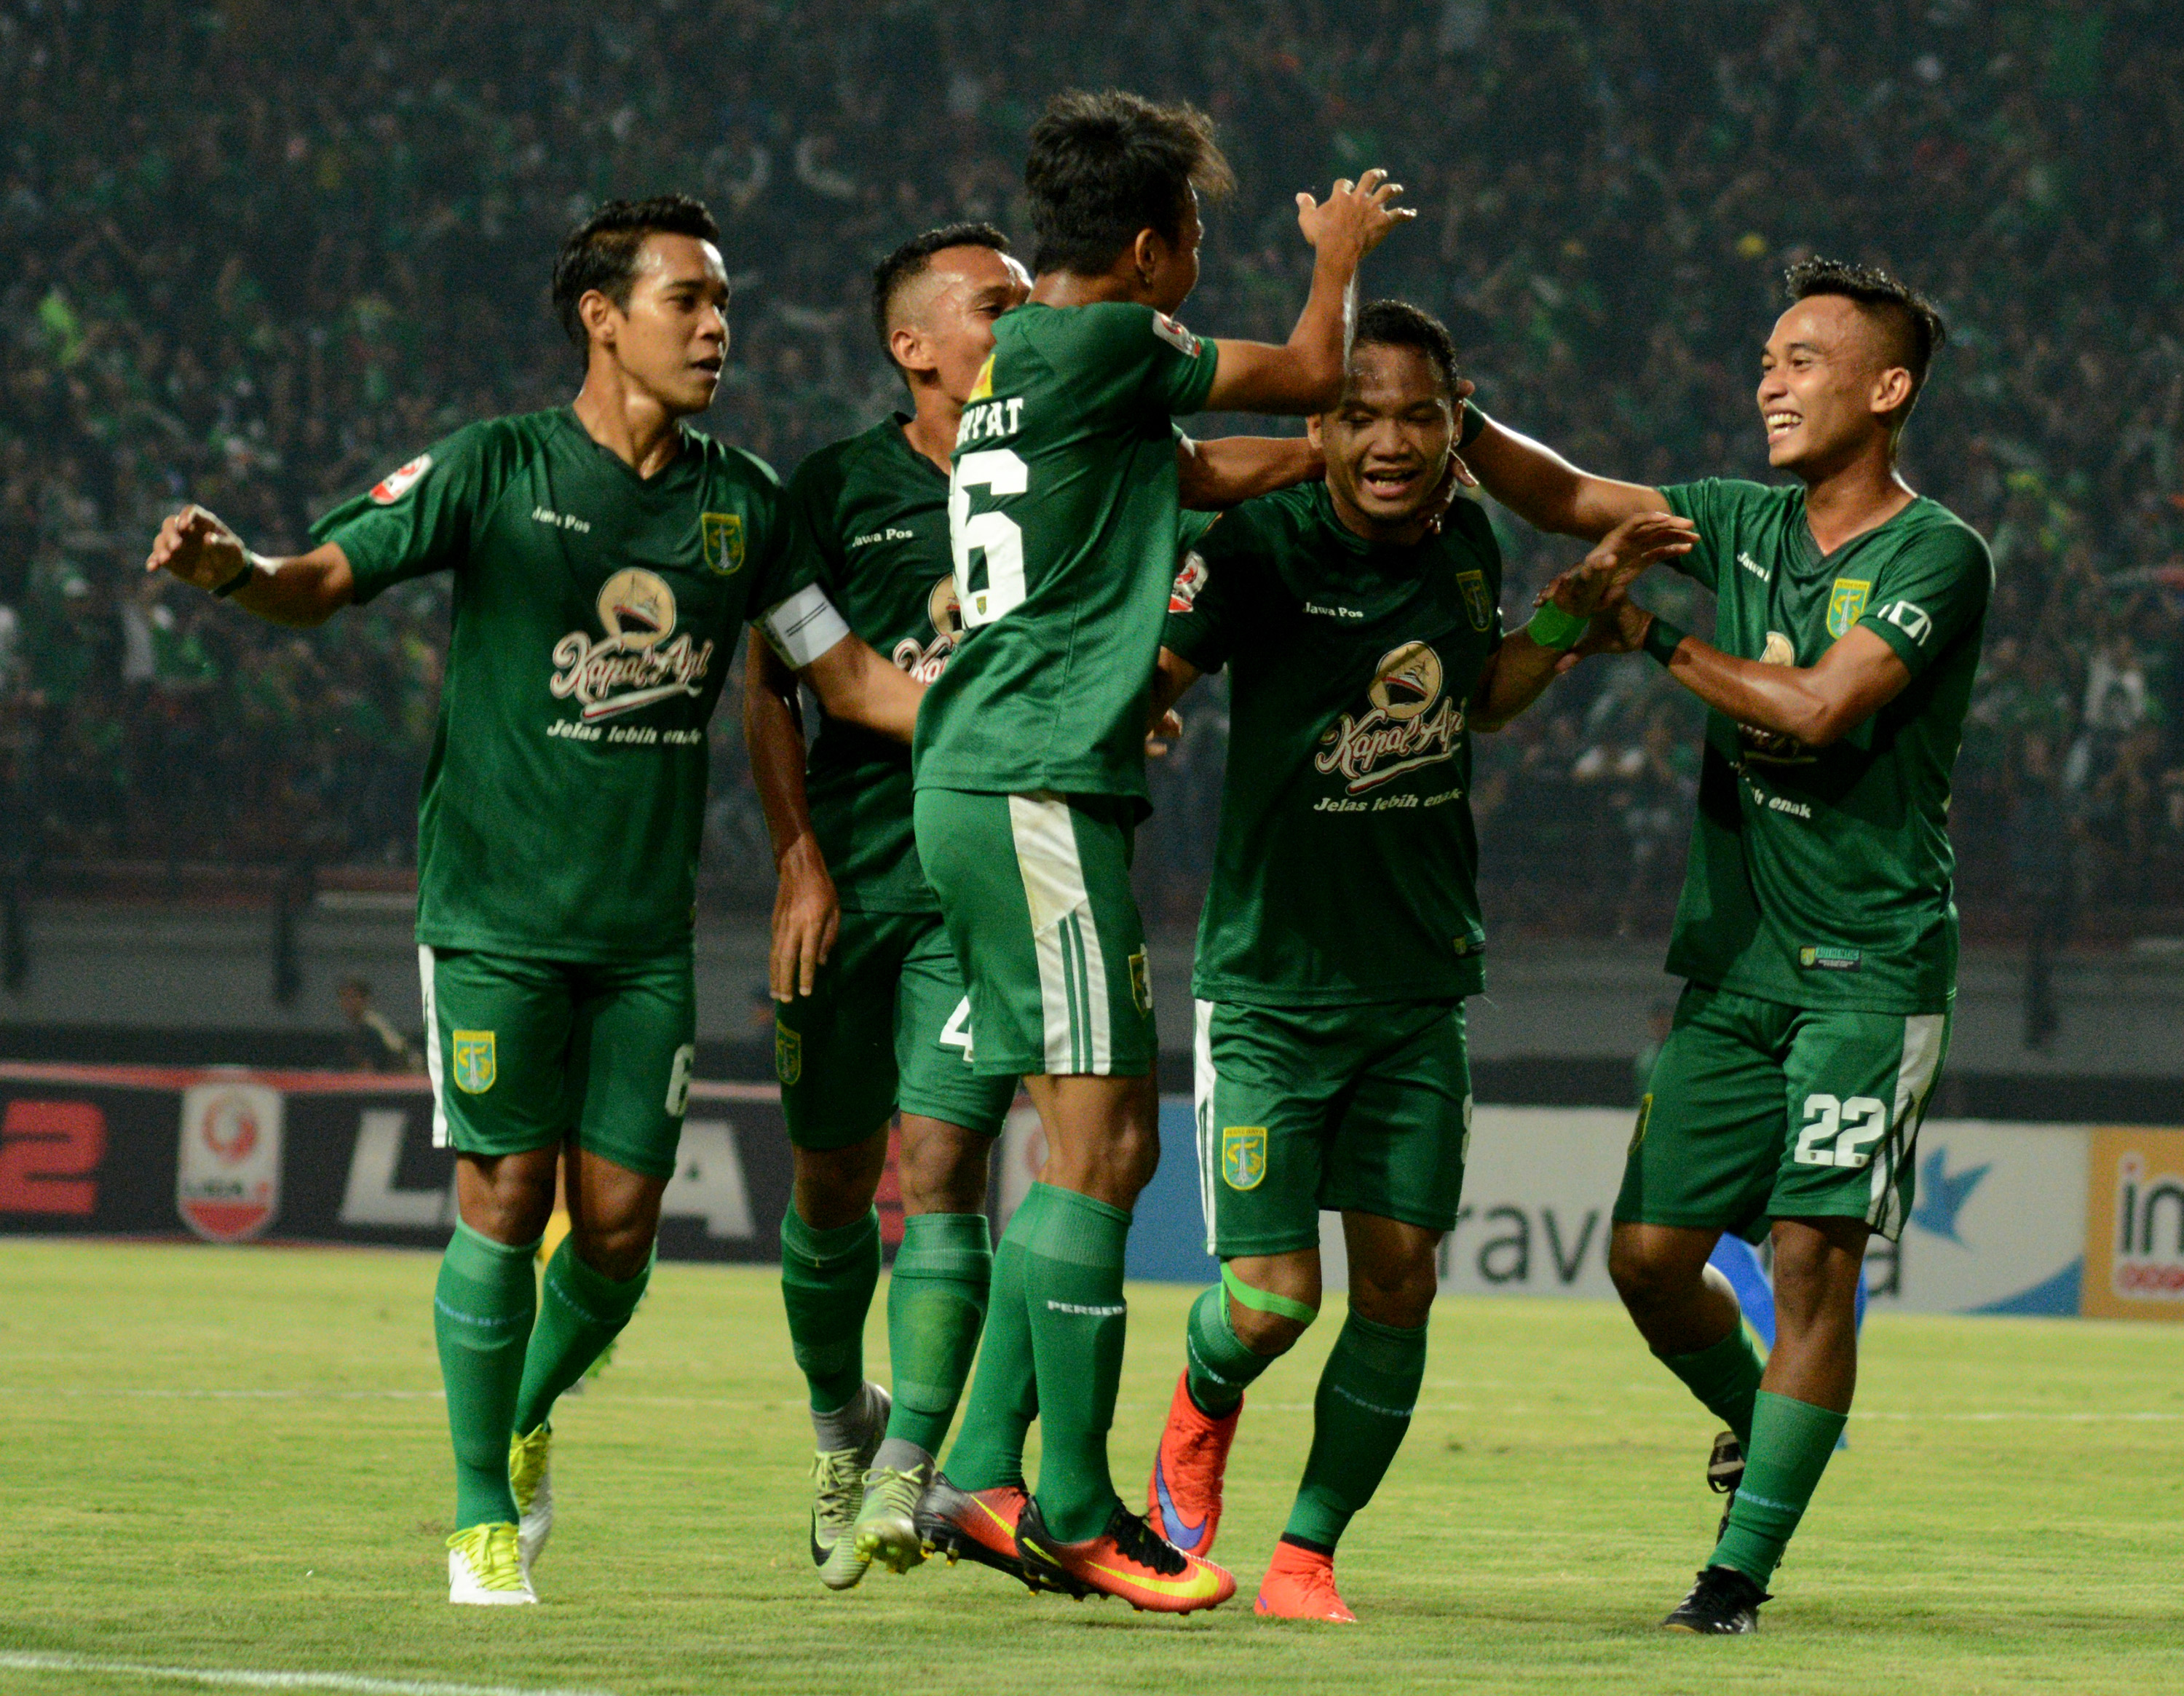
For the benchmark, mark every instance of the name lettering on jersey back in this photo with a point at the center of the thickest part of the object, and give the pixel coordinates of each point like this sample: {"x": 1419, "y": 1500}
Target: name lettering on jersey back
{"x": 562, "y": 520}
{"x": 989, "y": 421}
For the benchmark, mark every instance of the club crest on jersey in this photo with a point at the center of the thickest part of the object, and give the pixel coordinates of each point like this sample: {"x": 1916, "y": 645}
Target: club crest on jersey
{"x": 476, "y": 1061}
{"x": 1847, "y": 604}
{"x": 722, "y": 534}
{"x": 1478, "y": 605}
{"x": 944, "y": 609}
{"x": 1175, "y": 336}
{"x": 787, "y": 1053}
{"x": 400, "y": 481}
{"x": 1189, "y": 581}
{"x": 1408, "y": 725}
{"x": 1243, "y": 1155}
{"x": 640, "y": 659}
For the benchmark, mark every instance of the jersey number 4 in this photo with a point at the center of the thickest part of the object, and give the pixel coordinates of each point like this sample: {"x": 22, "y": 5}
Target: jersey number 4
{"x": 1841, "y": 1133}
{"x": 994, "y": 534}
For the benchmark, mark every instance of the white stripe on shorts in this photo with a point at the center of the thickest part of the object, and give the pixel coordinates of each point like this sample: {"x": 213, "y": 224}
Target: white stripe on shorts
{"x": 1914, "y": 1079}
{"x": 425, "y": 964}
{"x": 1203, "y": 1082}
{"x": 1072, "y": 978}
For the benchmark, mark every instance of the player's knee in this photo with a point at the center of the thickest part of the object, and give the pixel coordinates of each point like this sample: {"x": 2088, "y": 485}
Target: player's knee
{"x": 1268, "y": 1334}
{"x": 1399, "y": 1296}
{"x": 1646, "y": 1282}
{"x": 943, "y": 1168}
{"x": 617, "y": 1255}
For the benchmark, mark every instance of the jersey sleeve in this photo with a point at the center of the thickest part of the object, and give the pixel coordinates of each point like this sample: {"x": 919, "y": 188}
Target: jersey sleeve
{"x": 1212, "y": 588}
{"x": 800, "y": 559}
{"x": 1702, "y": 504}
{"x": 1143, "y": 360}
{"x": 419, "y": 518}
{"x": 1935, "y": 586}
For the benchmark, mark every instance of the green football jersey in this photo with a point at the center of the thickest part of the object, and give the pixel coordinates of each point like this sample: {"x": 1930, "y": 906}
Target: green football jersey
{"x": 1346, "y": 869}
{"x": 1062, "y": 519}
{"x": 1822, "y": 877}
{"x": 595, "y": 618}
{"x": 871, "y": 513}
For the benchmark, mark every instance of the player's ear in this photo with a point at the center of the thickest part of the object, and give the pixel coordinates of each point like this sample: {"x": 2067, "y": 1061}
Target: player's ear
{"x": 1312, "y": 431}
{"x": 908, "y": 348}
{"x": 1892, "y": 392}
{"x": 597, "y": 315}
{"x": 1146, "y": 254}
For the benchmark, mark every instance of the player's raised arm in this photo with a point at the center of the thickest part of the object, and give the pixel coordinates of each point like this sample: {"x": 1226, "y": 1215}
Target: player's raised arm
{"x": 303, "y": 590}
{"x": 1543, "y": 488}
{"x": 807, "y": 913}
{"x": 1304, "y": 375}
{"x": 1228, "y": 471}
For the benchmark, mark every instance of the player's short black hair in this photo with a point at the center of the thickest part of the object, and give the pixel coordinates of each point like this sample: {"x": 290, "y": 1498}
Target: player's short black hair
{"x": 1398, "y": 323}
{"x": 1914, "y": 323}
{"x": 1105, "y": 166}
{"x": 911, "y": 258}
{"x": 601, "y": 252}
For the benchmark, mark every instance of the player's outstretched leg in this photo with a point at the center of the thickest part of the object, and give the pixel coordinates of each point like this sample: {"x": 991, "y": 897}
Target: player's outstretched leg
{"x": 482, "y": 1313}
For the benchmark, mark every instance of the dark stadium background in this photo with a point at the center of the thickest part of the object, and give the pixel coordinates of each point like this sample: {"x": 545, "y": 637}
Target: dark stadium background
{"x": 255, "y": 255}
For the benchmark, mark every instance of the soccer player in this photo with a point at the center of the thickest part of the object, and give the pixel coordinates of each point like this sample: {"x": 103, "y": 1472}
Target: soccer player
{"x": 1342, "y": 932}
{"x": 605, "y": 557}
{"x": 1029, "y": 775}
{"x": 873, "y": 1017}
{"x": 1817, "y": 931}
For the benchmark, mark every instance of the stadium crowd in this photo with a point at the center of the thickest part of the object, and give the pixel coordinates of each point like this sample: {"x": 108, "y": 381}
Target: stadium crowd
{"x": 256, "y": 256}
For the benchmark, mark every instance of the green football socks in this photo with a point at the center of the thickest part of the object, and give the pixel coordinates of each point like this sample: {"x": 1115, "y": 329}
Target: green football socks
{"x": 936, "y": 1304}
{"x": 988, "y": 1451}
{"x": 1072, "y": 1278}
{"x": 1219, "y": 1368}
{"x": 828, "y": 1278}
{"x": 481, "y": 1311}
{"x": 580, "y": 1312}
{"x": 1363, "y": 1407}
{"x": 1788, "y": 1450}
{"x": 1725, "y": 1378}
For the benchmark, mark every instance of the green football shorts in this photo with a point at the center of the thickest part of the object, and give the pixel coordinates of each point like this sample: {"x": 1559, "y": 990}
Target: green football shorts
{"x": 1758, "y": 1111}
{"x": 525, "y": 1052}
{"x": 1036, "y": 892}
{"x": 1359, "y": 1110}
{"x": 886, "y": 1025}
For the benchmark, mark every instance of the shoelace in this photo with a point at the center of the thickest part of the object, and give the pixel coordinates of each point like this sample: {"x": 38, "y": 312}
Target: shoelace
{"x": 839, "y": 1479}
{"x": 901, "y": 1487}
{"x": 1138, "y": 1541}
{"x": 493, "y": 1561}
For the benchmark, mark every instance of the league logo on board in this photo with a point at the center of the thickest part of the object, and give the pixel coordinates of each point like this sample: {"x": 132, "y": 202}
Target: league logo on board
{"x": 787, "y": 1053}
{"x": 1477, "y": 606}
{"x": 477, "y": 1061}
{"x": 722, "y": 534}
{"x": 1847, "y": 604}
{"x": 228, "y": 1182}
{"x": 1243, "y": 1155}
{"x": 400, "y": 481}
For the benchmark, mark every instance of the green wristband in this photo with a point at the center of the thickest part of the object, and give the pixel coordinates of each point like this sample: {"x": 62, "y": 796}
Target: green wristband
{"x": 1661, "y": 639}
{"x": 1552, "y": 627}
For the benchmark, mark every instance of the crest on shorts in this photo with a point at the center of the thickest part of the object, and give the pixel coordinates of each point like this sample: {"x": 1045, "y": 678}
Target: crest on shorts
{"x": 1846, "y": 604}
{"x": 1141, "y": 981}
{"x": 722, "y": 534}
{"x": 1243, "y": 1155}
{"x": 477, "y": 1062}
{"x": 1478, "y": 607}
{"x": 787, "y": 1053}
{"x": 1645, "y": 1112}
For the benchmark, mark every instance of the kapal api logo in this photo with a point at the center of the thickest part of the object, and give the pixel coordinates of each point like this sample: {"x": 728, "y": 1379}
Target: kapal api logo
{"x": 1409, "y": 725}
{"x": 640, "y": 660}
{"x": 944, "y": 610}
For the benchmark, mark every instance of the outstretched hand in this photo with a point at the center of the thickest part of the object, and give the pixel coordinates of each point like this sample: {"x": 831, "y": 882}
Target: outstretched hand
{"x": 1621, "y": 558}
{"x": 1354, "y": 218}
{"x": 197, "y": 547}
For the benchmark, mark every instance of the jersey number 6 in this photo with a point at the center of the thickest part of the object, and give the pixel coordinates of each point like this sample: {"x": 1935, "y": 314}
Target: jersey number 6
{"x": 995, "y": 534}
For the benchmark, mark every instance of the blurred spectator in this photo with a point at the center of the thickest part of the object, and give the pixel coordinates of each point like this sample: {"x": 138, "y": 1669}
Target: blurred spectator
{"x": 372, "y": 1043}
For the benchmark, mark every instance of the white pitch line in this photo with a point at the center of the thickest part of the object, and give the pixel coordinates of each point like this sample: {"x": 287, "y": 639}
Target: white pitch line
{"x": 245, "y": 1678}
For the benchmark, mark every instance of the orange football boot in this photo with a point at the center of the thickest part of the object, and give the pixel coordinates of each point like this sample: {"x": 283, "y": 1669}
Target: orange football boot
{"x": 1299, "y": 1585}
{"x": 982, "y": 1525}
{"x": 1183, "y": 1498}
{"x": 1129, "y": 1559}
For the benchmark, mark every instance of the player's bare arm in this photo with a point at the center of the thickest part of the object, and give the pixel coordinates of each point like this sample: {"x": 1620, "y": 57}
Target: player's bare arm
{"x": 303, "y": 590}
{"x": 1521, "y": 668}
{"x": 807, "y": 915}
{"x": 856, "y": 685}
{"x": 1305, "y": 374}
{"x": 1230, "y": 470}
{"x": 1546, "y": 490}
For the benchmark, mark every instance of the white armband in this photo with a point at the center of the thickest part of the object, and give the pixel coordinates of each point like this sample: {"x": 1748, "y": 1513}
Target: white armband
{"x": 803, "y": 626}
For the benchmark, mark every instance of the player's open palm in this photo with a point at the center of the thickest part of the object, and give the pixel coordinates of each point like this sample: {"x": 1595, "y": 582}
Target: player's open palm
{"x": 1354, "y": 218}
{"x": 1623, "y": 555}
{"x": 197, "y": 547}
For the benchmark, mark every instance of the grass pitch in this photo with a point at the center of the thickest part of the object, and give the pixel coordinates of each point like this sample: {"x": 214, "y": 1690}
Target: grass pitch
{"x": 234, "y": 1461}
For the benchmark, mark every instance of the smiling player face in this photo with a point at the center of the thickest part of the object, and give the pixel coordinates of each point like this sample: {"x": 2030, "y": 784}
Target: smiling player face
{"x": 1825, "y": 385}
{"x": 947, "y": 319}
{"x": 672, "y": 341}
{"x": 1388, "y": 443}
